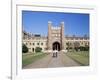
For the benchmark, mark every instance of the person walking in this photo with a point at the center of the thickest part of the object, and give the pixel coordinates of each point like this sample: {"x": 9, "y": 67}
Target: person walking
{"x": 56, "y": 53}
{"x": 53, "y": 53}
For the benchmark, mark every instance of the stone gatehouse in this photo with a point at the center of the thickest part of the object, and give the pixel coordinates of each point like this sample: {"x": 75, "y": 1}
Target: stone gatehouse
{"x": 55, "y": 40}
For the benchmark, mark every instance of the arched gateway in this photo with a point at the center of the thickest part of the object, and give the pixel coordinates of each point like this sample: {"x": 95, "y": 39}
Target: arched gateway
{"x": 56, "y": 46}
{"x": 56, "y": 37}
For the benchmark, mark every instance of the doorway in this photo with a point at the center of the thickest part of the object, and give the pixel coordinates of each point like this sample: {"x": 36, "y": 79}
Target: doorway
{"x": 56, "y": 46}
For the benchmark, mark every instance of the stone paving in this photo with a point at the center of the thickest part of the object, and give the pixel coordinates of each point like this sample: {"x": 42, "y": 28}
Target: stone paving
{"x": 61, "y": 60}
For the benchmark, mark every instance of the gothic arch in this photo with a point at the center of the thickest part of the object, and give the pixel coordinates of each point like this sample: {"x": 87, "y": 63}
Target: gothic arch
{"x": 56, "y": 46}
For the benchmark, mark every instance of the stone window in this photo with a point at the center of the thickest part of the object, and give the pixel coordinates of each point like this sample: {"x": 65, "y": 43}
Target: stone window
{"x": 82, "y": 43}
{"x": 88, "y": 43}
{"x": 33, "y": 43}
{"x": 37, "y": 43}
{"x": 66, "y": 48}
{"x": 41, "y": 43}
{"x": 66, "y": 43}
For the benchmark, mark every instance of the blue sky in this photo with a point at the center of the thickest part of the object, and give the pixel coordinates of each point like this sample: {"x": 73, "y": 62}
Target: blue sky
{"x": 37, "y": 22}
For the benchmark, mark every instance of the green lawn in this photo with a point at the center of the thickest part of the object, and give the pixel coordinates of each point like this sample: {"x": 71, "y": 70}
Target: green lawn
{"x": 30, "y": 58}
{"x": 81, "y": 57}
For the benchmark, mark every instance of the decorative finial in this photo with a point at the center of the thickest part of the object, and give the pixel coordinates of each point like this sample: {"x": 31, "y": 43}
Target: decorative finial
{"x": 49, "y": 22}
{"x": 62, "y": 22}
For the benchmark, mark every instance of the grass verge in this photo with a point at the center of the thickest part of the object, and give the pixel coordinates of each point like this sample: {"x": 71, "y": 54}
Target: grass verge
{"x": 82, "y": 57}
{"x": 30, "y": 58}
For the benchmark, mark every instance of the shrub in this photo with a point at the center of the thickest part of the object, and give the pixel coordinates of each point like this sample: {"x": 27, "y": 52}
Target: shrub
{"x": 38, "y": 49}
{"x": 76, "y": 48}
{"x": 81, "y": 48}
{"x": 86, "y": 48}
{"x": 24, "y": 48}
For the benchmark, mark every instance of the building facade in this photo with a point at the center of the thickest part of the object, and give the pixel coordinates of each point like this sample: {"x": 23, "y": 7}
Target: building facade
{"x": 55, "y": 40}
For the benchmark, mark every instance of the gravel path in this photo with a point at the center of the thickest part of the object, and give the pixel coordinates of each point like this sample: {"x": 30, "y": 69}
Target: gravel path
{"x": 61, "y": 60}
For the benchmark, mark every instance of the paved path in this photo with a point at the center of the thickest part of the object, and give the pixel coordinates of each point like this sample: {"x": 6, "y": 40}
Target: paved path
{"x": 51, "y": 62}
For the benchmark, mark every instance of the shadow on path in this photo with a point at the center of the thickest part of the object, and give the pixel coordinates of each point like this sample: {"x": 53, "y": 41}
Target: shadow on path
{"x": 61, "y": 60}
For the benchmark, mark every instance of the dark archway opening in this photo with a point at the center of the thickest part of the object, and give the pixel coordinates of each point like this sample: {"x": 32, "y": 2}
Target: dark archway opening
{"x": 33, "y": 49}
{"x": 56, "y": 46}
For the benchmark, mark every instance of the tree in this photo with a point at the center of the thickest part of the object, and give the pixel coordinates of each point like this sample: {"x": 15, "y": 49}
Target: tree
{"x": 24, "y": 48}
{"x": 38, "y": 49}
{"x": 76, "y": 46}
{"x": 81, "y": 48}
{"x": 84, "y": 48}
{"x": 69, "y": 46}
